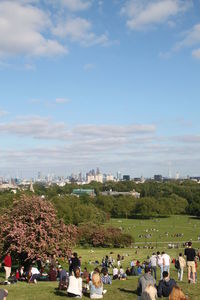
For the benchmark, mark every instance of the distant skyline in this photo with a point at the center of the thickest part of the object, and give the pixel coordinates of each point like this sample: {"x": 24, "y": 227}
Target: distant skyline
{"x": 112, "y": 84}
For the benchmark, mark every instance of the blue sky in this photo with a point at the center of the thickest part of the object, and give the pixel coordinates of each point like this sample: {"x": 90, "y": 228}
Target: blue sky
{"x": 111, "y": 84}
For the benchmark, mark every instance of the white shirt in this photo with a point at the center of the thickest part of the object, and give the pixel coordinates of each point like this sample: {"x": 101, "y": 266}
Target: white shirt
{"x": 34, "y": 271}
{"x": 166, "y": 259}
{"x": 115, "y": 271}
{"x": 75, "y": 285}
{"x": 159, "y": 260}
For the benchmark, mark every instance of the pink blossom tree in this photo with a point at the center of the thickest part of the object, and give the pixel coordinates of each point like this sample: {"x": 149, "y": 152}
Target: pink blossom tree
{"x": 32, "y": 228}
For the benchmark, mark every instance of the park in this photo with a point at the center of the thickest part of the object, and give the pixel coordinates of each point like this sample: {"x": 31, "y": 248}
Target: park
{"x": 164, "y": 232}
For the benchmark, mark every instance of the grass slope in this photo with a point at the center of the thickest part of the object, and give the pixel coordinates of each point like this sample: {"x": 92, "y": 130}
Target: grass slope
{"x": 124, "y": 289}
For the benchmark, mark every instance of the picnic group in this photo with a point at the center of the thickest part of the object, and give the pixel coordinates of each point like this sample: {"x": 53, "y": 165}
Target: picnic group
{"x": 77, "y": 282}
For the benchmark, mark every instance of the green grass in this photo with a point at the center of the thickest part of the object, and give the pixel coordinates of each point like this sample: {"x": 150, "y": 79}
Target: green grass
{"x": 158, "y": 227}
{"x": 124, "y": 289}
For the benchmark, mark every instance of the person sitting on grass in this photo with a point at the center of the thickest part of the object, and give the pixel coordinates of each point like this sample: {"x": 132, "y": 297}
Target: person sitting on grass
{"x": 144, "y": 281}
{"x": 63, "y": 279}
{"x": 177, "y": 294}
{"x": 165, "y": 285}
{"x": 128, "y": 271}
{"x": 122, "y": 274}
{"x": 3, "y": 294}
{"x": 106, "y": 279}
{"x": 52, "y": 274}
{"x": 75, "y": 284}
{"x": 115, "y": 273}
{"x": 33, "y": 275}
{"x": 150, "y": 293}
{"x": 96, "y": 287}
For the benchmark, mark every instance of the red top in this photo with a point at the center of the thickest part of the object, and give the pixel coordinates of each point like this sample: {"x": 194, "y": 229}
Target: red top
{"x": 8, "y": 261}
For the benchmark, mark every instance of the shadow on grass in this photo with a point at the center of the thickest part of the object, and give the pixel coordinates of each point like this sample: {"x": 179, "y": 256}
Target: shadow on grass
{"x": 194, "y": 218}
{"x": 143, "y": 217}
{"x": 128, "y": 291}
{"x": 64, "y": 293}
{"x": 60, "y": 293}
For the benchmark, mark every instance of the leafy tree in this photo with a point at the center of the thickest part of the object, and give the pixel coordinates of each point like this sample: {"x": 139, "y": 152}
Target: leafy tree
{"x": 31, "y": 228}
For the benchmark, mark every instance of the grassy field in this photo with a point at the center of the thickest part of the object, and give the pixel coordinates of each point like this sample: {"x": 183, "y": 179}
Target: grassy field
{"x": 162, "y": 230}
{"x": 125, "y": 289}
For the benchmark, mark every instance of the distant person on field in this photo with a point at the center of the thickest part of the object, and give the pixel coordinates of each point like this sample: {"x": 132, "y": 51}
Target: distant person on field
{"x": 165, "y": 285}
{"x": 150, "y": 293}
{"x": 144, "y": 281}
{"x": 190, "y": 256}
{"x": 3, "y": 294}
{"x": 177, "y": 294}
{"x": 7, "y": 265}
{"x": 182, "y": 265}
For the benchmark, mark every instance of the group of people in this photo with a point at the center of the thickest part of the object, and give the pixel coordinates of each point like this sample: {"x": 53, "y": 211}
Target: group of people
{"x": 77, "y": 282}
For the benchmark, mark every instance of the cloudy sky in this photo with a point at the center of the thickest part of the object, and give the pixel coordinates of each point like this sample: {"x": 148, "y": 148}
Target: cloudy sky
{"x": 113, "y": 84}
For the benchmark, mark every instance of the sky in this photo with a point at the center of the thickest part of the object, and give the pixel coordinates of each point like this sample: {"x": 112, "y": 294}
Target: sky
{"x": 113, "y": 84}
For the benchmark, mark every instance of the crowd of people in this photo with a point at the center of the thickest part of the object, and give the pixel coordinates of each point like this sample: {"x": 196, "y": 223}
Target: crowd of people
{"x": 78, "y": 282}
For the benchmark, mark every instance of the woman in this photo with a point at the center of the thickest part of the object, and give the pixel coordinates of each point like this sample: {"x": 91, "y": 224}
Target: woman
{"x": 96, "y": 287}
{"x": 177, "y": 294}
{"x": 75, "y": 284}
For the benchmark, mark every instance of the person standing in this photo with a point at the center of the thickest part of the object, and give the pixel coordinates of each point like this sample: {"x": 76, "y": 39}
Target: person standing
{"x": 7, "y": 265}
{"x": 182, "y": 265}
{"x": 190, "y": 256}
{"x": 166, "y": 262}
{"x": 153, "y": 262}
{"x": 160, "y": 264}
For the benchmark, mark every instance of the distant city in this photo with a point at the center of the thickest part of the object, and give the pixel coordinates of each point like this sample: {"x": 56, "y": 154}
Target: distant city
{"x": 84, "y": 178}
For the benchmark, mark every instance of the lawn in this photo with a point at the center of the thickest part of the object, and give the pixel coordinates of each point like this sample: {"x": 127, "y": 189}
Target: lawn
{"x": 190, "y": 227}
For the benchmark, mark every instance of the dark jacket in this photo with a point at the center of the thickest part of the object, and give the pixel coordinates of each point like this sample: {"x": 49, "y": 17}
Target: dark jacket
{"x": 144, "y": 281}
{"x": 165, "y": 287}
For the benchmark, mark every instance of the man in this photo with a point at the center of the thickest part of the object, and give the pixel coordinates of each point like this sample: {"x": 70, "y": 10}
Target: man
{"x": 165, "y": 285}
{"x": 166, "y": 261}
{"x": 7, "y": 265}
{"x": 190, "y": 256}
{"x": 144, "y": 281}
{"x": 153, "y": 262}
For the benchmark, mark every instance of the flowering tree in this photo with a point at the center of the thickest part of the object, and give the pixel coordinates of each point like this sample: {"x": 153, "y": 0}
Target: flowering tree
{"x": 31, "y": 228}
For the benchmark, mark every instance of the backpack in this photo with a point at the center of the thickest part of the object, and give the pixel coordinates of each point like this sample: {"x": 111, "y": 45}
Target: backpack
{"x": 177, "y": 264}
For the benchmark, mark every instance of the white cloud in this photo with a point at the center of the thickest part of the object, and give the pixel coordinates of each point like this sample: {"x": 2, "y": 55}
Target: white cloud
{"x": 76, "y": 5}
{"x": 191, "y": 38}
{"x": 88, "y": 67}
{"x": 22, "y": 30}
{"x": 142, "y": 14}
{"x": 3, "y": 113}
{"x": 196, "y": 53}
{"x": 79, "y": 30}
{"x": 62, "y": 101}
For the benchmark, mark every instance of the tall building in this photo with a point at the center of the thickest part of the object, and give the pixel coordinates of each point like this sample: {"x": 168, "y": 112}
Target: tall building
{"x": 126, "y": 177}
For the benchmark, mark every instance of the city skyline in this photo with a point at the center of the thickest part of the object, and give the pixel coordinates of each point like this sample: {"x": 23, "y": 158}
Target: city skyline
{"x": 108, "y": 83}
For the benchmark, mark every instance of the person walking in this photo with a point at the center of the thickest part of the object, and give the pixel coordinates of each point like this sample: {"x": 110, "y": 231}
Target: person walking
{"x": 190, "y": 257}
{"x": 153, "y": 262}
{"x": 160, "y": 264}
{"x": 7, "y": 265}
{"x": 166, "y": 262}
{"x": 182, "y": 264}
